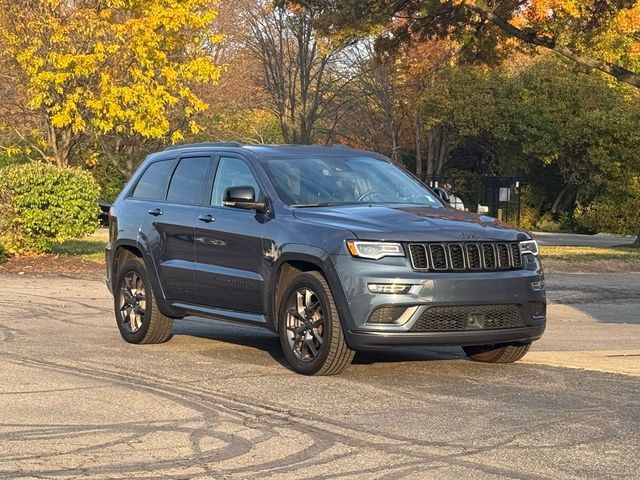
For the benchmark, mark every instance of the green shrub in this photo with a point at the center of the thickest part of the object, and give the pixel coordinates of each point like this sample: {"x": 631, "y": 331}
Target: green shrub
{"x": 528, "y": 217}
{"x": 42, "y": 205}
{"x": 109, "y": 177}
{"x": 546, "y": 223}
{"x": 615, "y": 210}
{"x": 3, "y": 254}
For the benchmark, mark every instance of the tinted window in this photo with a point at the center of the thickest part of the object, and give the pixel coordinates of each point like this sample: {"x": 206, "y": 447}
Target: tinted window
{"x": 188, "y": 180}
{"x": 154, "y": 180}
{"x": 345, "y": 180}
{"x": 232, "y": 172}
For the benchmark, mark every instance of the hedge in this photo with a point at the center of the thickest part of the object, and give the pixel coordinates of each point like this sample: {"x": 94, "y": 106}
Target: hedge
{"x": 42, "y": 205}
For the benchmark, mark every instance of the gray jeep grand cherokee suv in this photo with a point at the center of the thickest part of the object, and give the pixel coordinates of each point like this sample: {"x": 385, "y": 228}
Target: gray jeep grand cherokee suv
{"x": 336, "y": 249}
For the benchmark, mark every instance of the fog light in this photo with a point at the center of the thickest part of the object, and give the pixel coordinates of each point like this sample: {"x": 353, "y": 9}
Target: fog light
{"x": 392, "y": 315}
{"x": 537, "y": 286}
{"x": 388, "y": 288}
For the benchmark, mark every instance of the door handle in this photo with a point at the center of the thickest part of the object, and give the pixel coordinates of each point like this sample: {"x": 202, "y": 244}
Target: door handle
{"x": 155, "y": 212}
{"x": 206, "y": 218}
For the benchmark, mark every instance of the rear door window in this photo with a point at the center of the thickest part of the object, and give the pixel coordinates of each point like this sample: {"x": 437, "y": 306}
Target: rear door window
{"x": 188, "y": 180}
{"x": 153, "y": 183}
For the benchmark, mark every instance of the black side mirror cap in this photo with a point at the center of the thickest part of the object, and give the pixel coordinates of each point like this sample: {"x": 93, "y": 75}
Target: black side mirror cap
{"x": 243, "y": 197}
{"x": 442, "y": 194}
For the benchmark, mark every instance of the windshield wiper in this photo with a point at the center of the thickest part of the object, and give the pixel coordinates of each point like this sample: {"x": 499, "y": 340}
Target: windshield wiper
{"x": 322, "y": 204}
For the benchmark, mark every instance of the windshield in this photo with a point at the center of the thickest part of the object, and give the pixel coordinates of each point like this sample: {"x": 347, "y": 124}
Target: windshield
{"x": 311, "y": 182}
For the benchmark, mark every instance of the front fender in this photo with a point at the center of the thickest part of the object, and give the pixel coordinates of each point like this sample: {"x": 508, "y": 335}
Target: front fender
{"x": 323, "y": 262}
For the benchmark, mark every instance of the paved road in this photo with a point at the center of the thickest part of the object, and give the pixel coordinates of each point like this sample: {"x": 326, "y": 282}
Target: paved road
{"x": 215, "y": 401}
{"x": 571, "y": 239}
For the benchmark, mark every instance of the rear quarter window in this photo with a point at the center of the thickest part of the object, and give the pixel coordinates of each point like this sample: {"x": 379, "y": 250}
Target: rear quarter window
{"x": 153, "y": 182}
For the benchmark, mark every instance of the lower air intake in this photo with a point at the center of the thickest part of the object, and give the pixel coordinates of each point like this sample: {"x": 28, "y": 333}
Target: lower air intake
{"x": 469, "y": 317}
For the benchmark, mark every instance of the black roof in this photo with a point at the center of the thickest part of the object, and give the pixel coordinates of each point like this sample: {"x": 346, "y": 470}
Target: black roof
{"x": 270, "y": 151}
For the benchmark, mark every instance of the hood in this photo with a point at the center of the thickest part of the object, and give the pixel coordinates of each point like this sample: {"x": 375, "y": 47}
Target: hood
{"x": 411, "y": 224}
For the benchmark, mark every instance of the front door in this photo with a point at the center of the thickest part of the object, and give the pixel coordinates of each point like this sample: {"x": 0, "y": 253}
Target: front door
{"x": 228, "y": 244}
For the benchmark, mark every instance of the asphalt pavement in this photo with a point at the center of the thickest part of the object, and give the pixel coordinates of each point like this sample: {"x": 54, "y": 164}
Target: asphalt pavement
{"x": 216, "y": 400}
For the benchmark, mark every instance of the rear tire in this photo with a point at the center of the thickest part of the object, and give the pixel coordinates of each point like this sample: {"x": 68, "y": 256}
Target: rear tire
{"x": 137, "y": 314}
{"x": 497, "y": 353}
{"x": 310, "y": 331}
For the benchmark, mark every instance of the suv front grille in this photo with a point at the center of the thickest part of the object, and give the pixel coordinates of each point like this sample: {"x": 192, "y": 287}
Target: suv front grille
{"x": 467, "y": 256}
{"x": 469, "y": 317}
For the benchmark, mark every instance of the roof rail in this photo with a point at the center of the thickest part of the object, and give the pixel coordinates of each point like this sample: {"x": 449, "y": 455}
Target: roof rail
{"x": 204, "y": 144}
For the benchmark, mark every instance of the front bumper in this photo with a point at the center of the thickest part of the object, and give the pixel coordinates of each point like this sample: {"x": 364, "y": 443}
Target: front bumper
{"x": 108, "y": 263}
{"x": 376, "y": 340}
{"x": 524, "y": 288}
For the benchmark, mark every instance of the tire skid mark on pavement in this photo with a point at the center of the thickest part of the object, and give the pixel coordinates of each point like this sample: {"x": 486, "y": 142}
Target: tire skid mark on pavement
{"x": 48, "y": 299}
{"x": 54, "y": 309}
{"x": 323, "y": 432}
{"x": 233, "y": 442}
{"x": 6, "y": 333}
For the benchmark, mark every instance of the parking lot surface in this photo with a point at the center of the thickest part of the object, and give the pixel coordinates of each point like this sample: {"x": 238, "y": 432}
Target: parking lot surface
{"x": 217, "y": 402}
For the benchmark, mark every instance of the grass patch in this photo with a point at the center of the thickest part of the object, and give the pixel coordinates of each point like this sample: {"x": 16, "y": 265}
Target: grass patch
{"x": 90, "y": 247}
{"x": 582, "y": 254}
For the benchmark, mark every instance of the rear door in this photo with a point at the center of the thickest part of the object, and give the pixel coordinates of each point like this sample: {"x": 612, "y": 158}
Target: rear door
{"x": 169, "y": 226}
{"x": 228, "y": 244}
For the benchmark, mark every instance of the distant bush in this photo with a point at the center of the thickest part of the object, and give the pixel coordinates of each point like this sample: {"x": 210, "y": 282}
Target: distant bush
{"x": 42, "y": 205}
{"x": 13, "y": 156}
{"x": 528, "y": 217}
{"x": 3, "y": 253}
{"x": 109, "y": 177}
{"x": 529, "y": 214}
{"x": 547, "y": 223}
{"x": 616, "y": 210}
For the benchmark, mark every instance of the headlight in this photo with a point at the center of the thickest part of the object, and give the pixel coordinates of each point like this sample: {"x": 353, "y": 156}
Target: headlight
{"x": 374, "y": 250}
{"x": 529, "y": 246}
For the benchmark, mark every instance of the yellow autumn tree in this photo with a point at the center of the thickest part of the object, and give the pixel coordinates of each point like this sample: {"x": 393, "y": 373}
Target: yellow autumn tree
{"x": 110, "y": 67}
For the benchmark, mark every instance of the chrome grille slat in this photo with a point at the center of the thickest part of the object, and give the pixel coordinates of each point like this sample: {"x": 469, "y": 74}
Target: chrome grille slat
{"x": 474, "y": 260}
{"x": 465, "y": 256}
{"x": 503, "y": 255}
{"x": 419, "y": 256}
{"x": 438, "y": 256}
{"x": 456, "y": 256}
{"x": 489, "y": 256}
{"x": 516, "y": 256}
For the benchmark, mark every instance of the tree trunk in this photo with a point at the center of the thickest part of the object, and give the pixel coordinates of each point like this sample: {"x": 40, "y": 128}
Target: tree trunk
{"x": 418, "y": 135}
{"x": 61, "y": 142}
{"x": 438, "y": 150}
{"x": 561, "y": 195}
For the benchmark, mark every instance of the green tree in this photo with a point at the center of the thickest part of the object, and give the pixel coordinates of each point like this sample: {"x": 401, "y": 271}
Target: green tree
{"x": 599, "y": 34}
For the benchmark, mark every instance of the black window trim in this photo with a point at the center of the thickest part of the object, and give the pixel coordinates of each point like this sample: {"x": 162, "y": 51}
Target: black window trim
{"x": 252, "y": 169}
{"x": 166, "y": 183}
{"x": 212, "y": 160}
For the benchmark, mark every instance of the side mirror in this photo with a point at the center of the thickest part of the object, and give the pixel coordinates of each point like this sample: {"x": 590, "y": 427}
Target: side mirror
{"x": 243, "y": 197}
{"x": 442, "y": 194}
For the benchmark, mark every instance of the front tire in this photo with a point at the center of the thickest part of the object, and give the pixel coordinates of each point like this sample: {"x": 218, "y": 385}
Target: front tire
{"x": 311, "y": 335}
{"x": 137, "y": 314}
{"x": 497, "y": 353}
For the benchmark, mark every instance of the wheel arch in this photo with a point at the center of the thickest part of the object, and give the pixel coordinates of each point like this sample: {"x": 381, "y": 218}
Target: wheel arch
{"x": 291, "y": 264}
{"x": 127, "y": 250}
